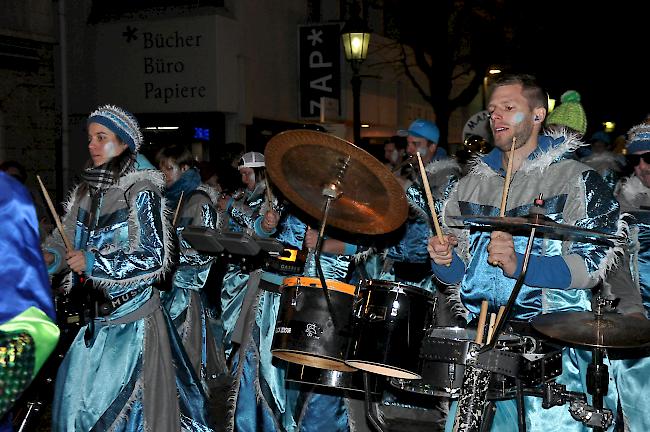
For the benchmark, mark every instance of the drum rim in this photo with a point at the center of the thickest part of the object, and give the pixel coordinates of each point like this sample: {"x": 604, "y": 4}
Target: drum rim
{"x": 412, "y": 375}
{"x": 311, "y": 282}
{"x": 392, "y": 285}
{"x": 509, "y": 337}
{"x": 306, "y": 354}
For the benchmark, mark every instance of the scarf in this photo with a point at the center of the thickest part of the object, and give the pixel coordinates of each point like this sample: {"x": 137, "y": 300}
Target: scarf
{"x": 102, "y": 177}
{"x": 189, "y": 181}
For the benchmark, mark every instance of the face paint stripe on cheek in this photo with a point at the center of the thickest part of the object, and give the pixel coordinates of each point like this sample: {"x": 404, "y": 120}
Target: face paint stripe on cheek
{"x": 518, "y": 117}
{"x": 110, "y": 150}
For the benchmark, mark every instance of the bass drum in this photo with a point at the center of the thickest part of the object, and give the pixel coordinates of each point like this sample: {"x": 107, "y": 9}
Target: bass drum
{"x": 307, "y": 332}
{"x": 391, "y": 320}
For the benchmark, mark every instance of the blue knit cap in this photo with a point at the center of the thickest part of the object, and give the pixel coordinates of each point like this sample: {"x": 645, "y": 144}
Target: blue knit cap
{"x": 638, "y": 138}
{"x": 422, "y": 129}
{"x": 121, "y": 122}
{"x": 601, "y": 136}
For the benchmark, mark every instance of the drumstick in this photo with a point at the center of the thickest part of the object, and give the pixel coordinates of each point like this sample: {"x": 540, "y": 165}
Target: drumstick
{"x": 502, "y": 309}
{"x": 481, "y": 322}
{"x": 59, "y": 226}
{"x": 178, "y": 209}
{"x": 432, "y": 208}
{"x": 506, "y": 183}
{"x": 493, "y": 319}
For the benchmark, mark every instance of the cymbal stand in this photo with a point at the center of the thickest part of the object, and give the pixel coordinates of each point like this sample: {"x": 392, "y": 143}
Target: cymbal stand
{"x": 331, "y": 192}
{"x": 501, "y": 325}
{"x": 599, "y": 418}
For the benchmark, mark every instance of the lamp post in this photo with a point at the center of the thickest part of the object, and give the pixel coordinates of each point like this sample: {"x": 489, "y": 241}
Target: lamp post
{"x": 355, "y": 36}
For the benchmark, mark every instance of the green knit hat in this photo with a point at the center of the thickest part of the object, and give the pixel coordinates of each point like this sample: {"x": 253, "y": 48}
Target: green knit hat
{"x": 569, "y": 113}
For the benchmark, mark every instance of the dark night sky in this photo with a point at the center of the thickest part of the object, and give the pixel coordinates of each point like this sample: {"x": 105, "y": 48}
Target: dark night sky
{"x": 601, "y": 52}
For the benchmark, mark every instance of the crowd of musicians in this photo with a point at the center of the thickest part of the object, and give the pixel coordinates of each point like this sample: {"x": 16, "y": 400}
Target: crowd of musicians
{"x": 178, "y": 339}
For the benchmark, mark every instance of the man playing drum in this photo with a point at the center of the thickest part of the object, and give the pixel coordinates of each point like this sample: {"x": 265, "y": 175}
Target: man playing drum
{"x": 560, "y": 272}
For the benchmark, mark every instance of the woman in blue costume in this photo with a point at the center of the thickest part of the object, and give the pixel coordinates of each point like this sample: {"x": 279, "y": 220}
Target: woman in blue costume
{"x": 186, "y": 302}
{"x": 633, "y": 193}
{"x": 126, "y": 369}
{"x": 246, "y": 213}
{"x": 560, "y": 272}
{"x": 28, "y": 333}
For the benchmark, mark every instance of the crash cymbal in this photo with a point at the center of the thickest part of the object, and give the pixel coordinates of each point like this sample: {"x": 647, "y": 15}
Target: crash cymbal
{"x": 541, "y": 224}
{"x": 586, "y": 329}
{"x": 304, "y": 163}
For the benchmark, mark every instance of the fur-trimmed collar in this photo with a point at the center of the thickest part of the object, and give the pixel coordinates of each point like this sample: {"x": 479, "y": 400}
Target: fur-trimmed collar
{"x": 631, "y": 187}
{"x": 436, "y": 166}
{"x": 124, "y": 183}
{"x": 551, "y": 148}
{"x": 212, "y": 193}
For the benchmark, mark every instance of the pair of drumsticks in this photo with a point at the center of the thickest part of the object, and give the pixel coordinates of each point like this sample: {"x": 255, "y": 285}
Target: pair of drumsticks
{"x": 432, "y": 209}
{"x": 494, "y": 321}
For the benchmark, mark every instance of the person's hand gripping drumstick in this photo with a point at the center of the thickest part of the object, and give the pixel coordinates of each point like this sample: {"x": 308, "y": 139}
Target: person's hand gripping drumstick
{"x": 75, "y": 259}
{"x": 440, "y": 247}
{"x": 501, "y": 250}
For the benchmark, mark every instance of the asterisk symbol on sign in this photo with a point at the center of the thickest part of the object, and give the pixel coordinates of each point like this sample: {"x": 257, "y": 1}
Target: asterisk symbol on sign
{"x": 315, "y": 36}
{"x": 130, "y": 33}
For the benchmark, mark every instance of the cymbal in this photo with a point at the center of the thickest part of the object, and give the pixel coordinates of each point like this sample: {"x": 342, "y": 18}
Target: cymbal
{"x": 585, "y": 329}
{"x": 304, "y": 163}
{"x": 541, "y": 223}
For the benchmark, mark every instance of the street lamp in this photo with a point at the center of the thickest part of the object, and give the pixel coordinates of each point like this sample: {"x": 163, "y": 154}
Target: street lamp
{"x": 491, "y": 71}
{"x": 355, "y": 36}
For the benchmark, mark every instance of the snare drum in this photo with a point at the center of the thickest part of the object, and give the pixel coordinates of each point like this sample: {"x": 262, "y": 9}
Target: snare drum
{"x": 391, "y": 320}
{"x": 305, "y": 331}
{"x": 443, "y": 370}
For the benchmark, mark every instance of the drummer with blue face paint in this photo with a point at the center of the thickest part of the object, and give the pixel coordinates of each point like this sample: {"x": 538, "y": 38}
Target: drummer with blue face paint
{"x": 560, "y": 272}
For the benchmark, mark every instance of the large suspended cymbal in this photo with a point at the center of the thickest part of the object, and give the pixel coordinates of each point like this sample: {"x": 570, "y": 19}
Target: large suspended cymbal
{"x": 541, "y": 224}
{"x": 586, "y": 329}
{"x": 304, "y": 163}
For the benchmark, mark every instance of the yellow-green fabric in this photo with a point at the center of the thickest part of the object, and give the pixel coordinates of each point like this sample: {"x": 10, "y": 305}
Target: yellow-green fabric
{"x": 40, "y": 327}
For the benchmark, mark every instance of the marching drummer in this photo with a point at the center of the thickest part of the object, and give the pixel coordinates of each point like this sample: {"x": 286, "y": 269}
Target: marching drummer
{"x": 487, "y": 264}
{"x": 249, "y": 211}
{"x": 285, "y": 403}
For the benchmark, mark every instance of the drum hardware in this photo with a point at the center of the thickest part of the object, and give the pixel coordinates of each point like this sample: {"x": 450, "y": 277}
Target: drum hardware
{"x": 597, "y": 331}
{"x": 250, "y": 253}
{"x": 444, "y": 354}
{"x": 541, "y": 223}
{"x": 597, "y": 384}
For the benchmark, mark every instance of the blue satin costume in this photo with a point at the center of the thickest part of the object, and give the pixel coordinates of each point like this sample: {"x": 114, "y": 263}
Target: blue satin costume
{"x": 23, "y": 275}
{"x": 130, "y": 372}
{"x": 632, "y": 374}
{"x": 243, "y": 216}
{"x": 573, "y": 195}
{"x": 263, "y": 400}
{"x": 608, "y": 164}
{"x": 186, "y": 301}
